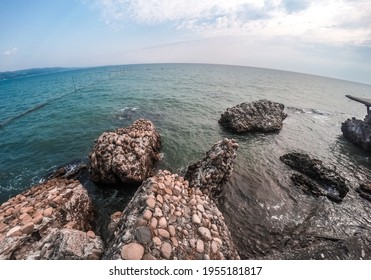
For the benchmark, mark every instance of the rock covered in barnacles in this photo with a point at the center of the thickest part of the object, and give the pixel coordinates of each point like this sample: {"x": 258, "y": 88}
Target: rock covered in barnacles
{"x": 127, "y": 155}
{"x": 169, "y": 219}
{"x": 49, "y": 221}
{"x": 259, "y": 116}
{"x": 214, "y": 169}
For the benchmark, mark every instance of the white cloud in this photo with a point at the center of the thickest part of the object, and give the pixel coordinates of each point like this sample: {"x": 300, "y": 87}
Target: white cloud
{"x": 331, "y": 21}
{"x": 10, "y": 52}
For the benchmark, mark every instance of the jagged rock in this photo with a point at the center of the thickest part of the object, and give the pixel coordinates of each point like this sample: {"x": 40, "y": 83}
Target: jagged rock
{"x": 214, "y": 169}
{"x": 33, "y": 222}
{"x": 358, "y": 132}
{"x": 364, "y": 190}
{"x": 260, "y": 116}
{"x": 127, "y": 155}
{"x": 169, "y": 232}
{"x": 317, "y": 178}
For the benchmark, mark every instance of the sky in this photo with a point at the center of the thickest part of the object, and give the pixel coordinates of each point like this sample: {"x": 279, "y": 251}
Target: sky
{"x": 322, "y": 37}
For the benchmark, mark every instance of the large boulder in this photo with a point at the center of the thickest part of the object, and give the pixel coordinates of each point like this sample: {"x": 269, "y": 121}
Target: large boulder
{"x": 214, "y": 169}
{"x": 259, "y": 116}
{"x": 169, "y": 219}
{"x": 317, "y": 178}
{"x": 44, "y": 222}
{"x": 127, "y": 155}
{"x": 358, "y": 132}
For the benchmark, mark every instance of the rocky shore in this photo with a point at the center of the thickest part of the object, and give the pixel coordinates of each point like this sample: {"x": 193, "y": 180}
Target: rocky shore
{"x": 53, "y": 220}
{"x": 168, "y": 217}
{"x": 176, "y": 217}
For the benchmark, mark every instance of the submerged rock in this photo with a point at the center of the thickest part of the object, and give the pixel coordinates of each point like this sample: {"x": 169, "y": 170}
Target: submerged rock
{"x": 317, "y": 178}
{"x": 260, "y": 116}
{"x": 127, "y": 155}
{"x": 170, "y": 219}
{"x": 49, "y": 221}
{"x": 214, "y": 169}
{"x": 352, "y": 248}
{"x": 358, "y": 132}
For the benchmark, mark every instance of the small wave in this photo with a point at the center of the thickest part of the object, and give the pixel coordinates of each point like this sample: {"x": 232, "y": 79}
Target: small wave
{"x": 128, "y": 113}
{"x": 308, "y": 111}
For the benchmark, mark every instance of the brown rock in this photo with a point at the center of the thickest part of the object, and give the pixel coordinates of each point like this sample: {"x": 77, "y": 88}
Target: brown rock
{"x": 132, "y": 251}
{"x": 15, "y": 231}
{"x": 91, "y": 234}
{"x": 151, "y": 202}
{"x": 126, "y": 155}
{"x": 163, "y": 233}
{"x": 200, "y": 247}
{"x": 48, "y": 212}
{"x": 166, "y": 250}
{"x": 204, "y": 233}
{"x": 28, "y": 228}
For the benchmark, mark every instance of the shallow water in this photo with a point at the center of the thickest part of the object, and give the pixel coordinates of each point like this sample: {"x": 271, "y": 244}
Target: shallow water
{"x": 263, "y": 209}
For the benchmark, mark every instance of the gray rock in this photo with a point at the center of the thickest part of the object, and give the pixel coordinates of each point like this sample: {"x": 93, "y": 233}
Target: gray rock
{"x": 318, "y": 178}
{"x": 143, "y": 234}
{"x": 213, "y": 170}
{"x": 259, "y": 116}
{"x": 358, "y": 132}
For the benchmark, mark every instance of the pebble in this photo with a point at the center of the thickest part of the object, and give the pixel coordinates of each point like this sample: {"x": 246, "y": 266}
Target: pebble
{"x": 143, "y": 234}
{"x": 171, "y": 230}
{"x": 147, "y": 214}
{"x": 200, "y": 208}
{"x": 158, "y": 212}
{"x": 162, "y": 223}
{"x": 15, "y": 231}
{"x": 200, "y": 247}
{"x": 91, "y": 234}
{"x": 156, "y": 241}
{"x": 153, "y": 223}
{"x": 163, "y": 233}
{"x": 204, "y": 233}
{"x": 166, "y": 250}
{"x": 28, "y": 228}
{"x": 132, "y": 251}
{"x": 151, "y": 202}
{"x": 196, "y": 219}
{"x": 48, "y": 212}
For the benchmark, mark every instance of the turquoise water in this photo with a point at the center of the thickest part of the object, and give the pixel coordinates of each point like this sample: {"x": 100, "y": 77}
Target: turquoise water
{"x": 47, "y": 123}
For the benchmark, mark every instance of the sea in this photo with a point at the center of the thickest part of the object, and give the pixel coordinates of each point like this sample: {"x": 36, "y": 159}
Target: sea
{"x": 51, "y": 120}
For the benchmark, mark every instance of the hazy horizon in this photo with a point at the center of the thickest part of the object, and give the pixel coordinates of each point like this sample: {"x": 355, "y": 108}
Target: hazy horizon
{"x": 331, "y": 39}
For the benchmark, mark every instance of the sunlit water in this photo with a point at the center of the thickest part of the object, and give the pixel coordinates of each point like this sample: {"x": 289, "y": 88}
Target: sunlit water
{"x": 46, "y": 123}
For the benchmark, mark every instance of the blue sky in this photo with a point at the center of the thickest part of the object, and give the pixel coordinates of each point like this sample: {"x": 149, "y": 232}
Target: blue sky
{"x": 329, "y": 38}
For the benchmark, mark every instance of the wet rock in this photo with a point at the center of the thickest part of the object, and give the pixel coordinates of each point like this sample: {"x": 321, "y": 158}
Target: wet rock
{"x": 170, "y": 236}
{"x": 127, "y": 155}
{"x": 38, "y": 231}
{"x": 317, "y": 178}
{"x": 214, "y": 169}
{"x": 364, "y": 190}
{"x": 352, "y": 248}
{"x": 259, "y": 116}
{"x": 358, "y": 132}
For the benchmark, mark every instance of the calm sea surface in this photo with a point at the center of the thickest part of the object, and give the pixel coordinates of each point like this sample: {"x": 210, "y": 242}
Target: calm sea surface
{"x": 46, "y": 123}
